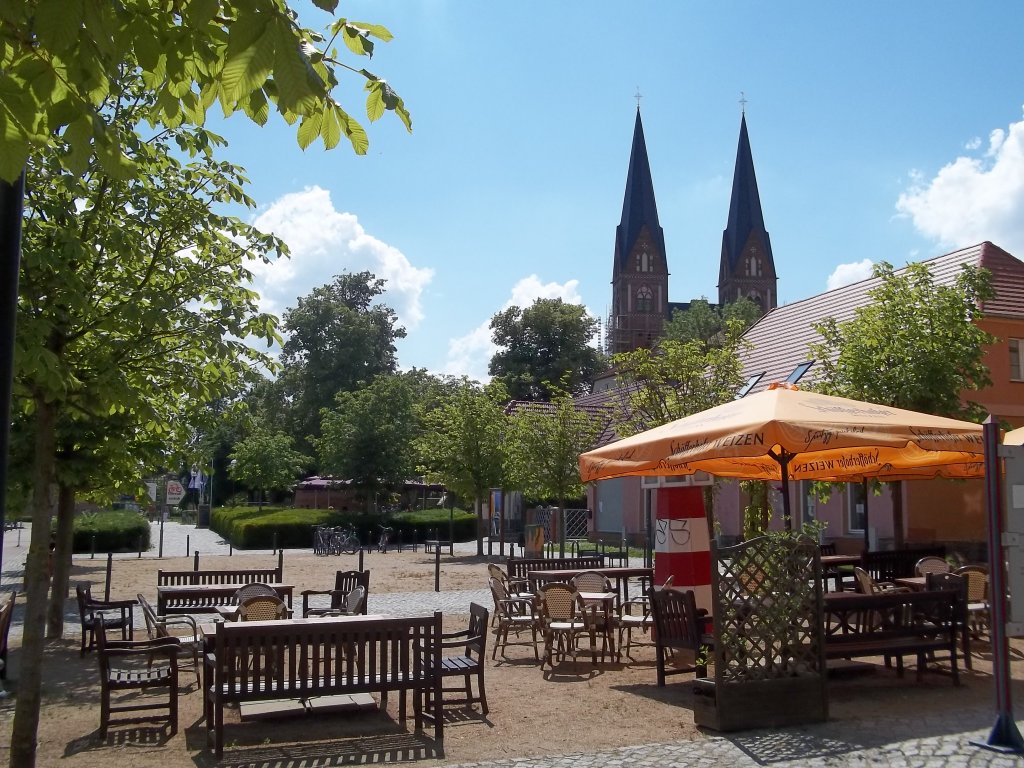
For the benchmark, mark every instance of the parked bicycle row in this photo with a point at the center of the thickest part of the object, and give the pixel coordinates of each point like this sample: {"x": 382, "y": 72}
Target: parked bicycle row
{"x": 343, "y": 540}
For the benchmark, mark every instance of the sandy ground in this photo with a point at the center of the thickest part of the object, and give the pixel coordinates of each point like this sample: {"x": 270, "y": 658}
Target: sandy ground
{"x": 582, "y": 707}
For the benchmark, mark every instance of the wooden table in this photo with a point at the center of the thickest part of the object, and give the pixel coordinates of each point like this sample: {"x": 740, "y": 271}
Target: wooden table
{"x": 830, "y": 565}
{"x": 206, "y": 597}
{"x": 916, "y": 583}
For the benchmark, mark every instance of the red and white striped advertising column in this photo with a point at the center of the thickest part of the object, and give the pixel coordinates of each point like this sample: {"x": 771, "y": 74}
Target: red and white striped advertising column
{"x": 682, "y": 544}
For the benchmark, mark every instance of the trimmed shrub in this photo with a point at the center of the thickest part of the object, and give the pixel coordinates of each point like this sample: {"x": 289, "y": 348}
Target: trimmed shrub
{"x": 114, "y": 531}
{"x": 252, "y": 528}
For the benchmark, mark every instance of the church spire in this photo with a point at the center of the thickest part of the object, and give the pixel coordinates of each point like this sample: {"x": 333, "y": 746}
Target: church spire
{"x": 747, "y": 267}
{"x": 639, "y": 270}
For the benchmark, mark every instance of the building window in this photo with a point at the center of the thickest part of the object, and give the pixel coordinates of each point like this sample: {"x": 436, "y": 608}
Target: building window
{"x": 855, "y": 508}
{"x": 644, "y": 299}
{"x": 644, "y": 262}
{"x": 1016, "y": 359}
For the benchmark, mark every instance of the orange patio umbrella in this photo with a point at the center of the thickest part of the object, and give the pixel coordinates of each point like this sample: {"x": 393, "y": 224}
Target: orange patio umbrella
{"x": 785, "y": 433}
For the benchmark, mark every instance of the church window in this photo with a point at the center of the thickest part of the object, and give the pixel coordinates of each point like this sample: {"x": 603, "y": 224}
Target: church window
{"x": 644, "y": 299}
{"x": 644, "y": 262}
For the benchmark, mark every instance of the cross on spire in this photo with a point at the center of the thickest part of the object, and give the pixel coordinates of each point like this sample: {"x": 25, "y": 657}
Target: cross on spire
{"x": 743, "y": 102}
{"x": 638, "y": 96}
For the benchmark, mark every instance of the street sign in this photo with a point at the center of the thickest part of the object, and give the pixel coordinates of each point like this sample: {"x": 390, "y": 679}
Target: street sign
{"x": 175, "y": 492}
{"x": 151, "y": 491}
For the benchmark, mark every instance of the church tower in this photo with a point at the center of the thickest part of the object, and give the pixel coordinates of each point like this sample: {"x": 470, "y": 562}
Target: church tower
{"x": 747, "y": 268}
{"x": 640, "y": 270}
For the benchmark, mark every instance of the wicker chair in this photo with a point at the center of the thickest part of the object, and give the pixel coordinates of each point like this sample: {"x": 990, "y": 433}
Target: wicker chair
{"x": 514, "y": 587}
{"x": 562, "y": 621}
{"x": 867, "y": 584}
{"x": 262, "y": 608}
{"x": 117, "y": 614}
{"x": 189, "y": 644}
{"x": 515, "y": 614}
{"x": 122, "y": 669}
{"x": 977, "y": 597}
{"x": 598, "y": 615}
{"x": 931, "y": 564}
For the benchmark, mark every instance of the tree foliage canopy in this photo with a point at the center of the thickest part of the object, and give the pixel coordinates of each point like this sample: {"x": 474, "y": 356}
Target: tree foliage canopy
{"x": 60, "y": 60}
{"x": 368, "y": 436}
{"x": 915, "y": 345}
{"x": 266, "y": 461}
{"x": 709, "y": 324}
{"x": 545, "y": 346}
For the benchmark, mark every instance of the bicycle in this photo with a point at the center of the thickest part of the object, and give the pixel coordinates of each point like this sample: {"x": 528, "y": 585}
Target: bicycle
{"x": 345, "y": 541}
{"x": 385, "y": 537}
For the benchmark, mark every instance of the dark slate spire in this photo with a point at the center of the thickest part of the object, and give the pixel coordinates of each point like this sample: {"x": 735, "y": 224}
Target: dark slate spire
{"x": 638, "y": 206}
{"x": 745, "y": 214}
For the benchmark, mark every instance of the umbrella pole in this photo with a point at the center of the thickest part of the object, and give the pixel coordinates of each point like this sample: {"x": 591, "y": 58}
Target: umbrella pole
{"x": 867, "y": 543}
{"x": 783, "y": 457}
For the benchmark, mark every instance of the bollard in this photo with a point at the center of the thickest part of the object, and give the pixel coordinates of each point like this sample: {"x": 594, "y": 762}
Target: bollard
{"x": 437, "y": 567}
{"x": 360, "y": 557}
{"x": 92, "y": 549}
{"x": 110, "y": 567}
{"x": 231, "y": 548}
{"x": 140, "y": 547}
{"x": 187, "y": 542}
{"x": 275, "y": 541}
{"x": 195, "y": 562}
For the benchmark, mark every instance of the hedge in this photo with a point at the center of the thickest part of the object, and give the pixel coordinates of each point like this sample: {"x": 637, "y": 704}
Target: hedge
{"x": 114, "y": 531}
{"x": 255, "y": 528}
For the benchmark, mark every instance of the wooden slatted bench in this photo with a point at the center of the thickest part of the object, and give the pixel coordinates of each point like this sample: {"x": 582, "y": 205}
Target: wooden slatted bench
{"x": 520, "y": 567}
{"x": 192, "y": 601}
{"x": 305, "y": 658}
{"x": 894, "y": 624}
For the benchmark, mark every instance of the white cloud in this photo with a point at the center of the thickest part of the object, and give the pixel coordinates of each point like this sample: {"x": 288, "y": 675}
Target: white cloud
{"x": 974, "y": 198}
{"x": 470, "y": 354}
{"x": 973, "y": 144}
{"x": 325, "y": 242}
{"x": 844, "y": 274}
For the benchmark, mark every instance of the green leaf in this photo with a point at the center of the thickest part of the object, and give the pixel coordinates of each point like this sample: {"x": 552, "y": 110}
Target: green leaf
{"x": 377, "y": 30}
{"x": 309, "y": 130}
{"x": 78, "y": 136}
{"x": 294, "y": 78}
{"x": 58, "y": 24}
{"x": 331, "y": 128}
{"x": 201, "y": 12}
{"x": 250, "y": 58}
{"x": 356, "y": 41}
{"x": 326, "y": 5}
{"x": 375, "y": 104}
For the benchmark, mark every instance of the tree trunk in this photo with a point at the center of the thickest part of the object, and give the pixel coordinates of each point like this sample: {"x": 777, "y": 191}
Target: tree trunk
{"x": 479, "y": 526}
{"x": 26, "y": 710}
{"x": 61, "y": 562}
{"x": 561, "y": 526}
{"x": 896, "y": 490}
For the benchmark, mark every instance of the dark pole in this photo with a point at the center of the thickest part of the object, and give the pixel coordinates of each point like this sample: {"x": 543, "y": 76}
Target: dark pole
{"x": 110, "y": 568}
{"x": 437, "y": 566}
{"x": 11, "y": 205}
{"x": 1004, "y": 736}
{"x": 867, "y": 542}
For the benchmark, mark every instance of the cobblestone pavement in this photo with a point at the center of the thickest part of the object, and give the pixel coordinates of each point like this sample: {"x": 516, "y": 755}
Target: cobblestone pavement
{"x": 940, "y": 740}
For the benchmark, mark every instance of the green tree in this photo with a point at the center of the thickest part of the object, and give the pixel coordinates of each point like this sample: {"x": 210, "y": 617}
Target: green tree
{"x": 546, "y": 343}
{"x": 675, "y": 379}
{"x": 266, "y": 461}
{"x": 133, "y": 304}
{"x": 915, "y": 346}
{"x": 60, "y": 60}
{"x": 339, "y": 339}
{"x": 462, "y": 442}
{"x": 711, "y": 325}
{"x": 544, "y": 444}
{"x": 367, "y": 437}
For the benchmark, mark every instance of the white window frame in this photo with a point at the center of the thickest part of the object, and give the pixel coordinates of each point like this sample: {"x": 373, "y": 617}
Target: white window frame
{"x": 854, "y": 493}
{"x": 1017, "y": 350}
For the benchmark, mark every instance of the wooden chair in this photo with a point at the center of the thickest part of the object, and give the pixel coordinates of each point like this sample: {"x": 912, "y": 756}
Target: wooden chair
{"x": 344, "y": 583}
{"x": 867, "y": 584}
{"x": 89, "y": 610}
{"x": 636, "y": 614}
{"x": 189, "y": 644}
{"x": 931, "y": 564}
{"x": 122, "y": 669}
{"x": 353, "y": 605}
{"x": 470, "y": 663}
{"x": 678, "y": 626}
{"x": 957, "y": 584}
{"x": 6, "y": 611}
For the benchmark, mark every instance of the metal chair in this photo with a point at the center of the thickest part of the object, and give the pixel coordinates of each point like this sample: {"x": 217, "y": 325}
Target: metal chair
{"x": 514, "y": 614}
{"x": 931, "y": 564}
{"x": 189, "y": 644}
{"x": 116, "y": 614}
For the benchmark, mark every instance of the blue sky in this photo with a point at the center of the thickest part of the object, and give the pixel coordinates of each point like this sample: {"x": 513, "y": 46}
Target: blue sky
{"x": 880, "y": 131}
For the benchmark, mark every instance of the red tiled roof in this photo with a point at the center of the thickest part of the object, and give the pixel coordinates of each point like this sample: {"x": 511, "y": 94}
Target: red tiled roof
{"x": 781, "y": 339}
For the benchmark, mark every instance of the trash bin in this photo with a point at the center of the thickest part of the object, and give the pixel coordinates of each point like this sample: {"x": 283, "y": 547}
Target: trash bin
{"x": 534, "y": 536}
{"x": 203, "y": 516}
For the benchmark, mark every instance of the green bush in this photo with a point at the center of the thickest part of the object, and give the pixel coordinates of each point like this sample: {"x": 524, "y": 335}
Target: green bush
{"x": 114, "y": 531}
{"x": 254, "y": 528}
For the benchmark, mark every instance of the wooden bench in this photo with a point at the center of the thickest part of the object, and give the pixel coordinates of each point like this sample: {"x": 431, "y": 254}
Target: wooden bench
{"x": 520, "y": 567}
{"x": 194, "y": 601}
{"x": 886, "y": 565}
{"x": 430, "y": 546}
{"x": 307, "y": 658}
{"x": 894, "y": 624}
